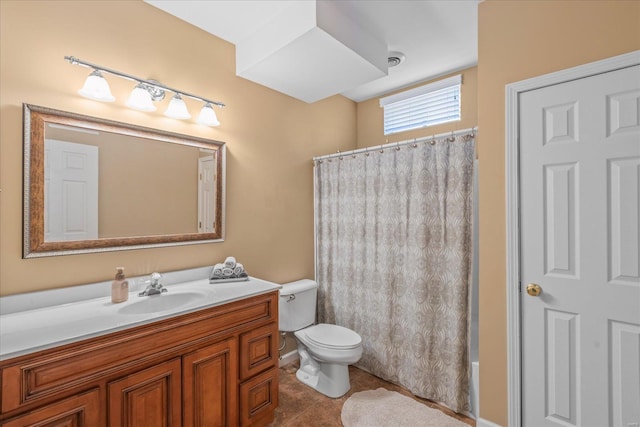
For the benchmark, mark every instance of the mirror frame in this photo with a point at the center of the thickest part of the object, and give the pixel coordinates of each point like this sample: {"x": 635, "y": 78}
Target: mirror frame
{"x": 35, "y": 119}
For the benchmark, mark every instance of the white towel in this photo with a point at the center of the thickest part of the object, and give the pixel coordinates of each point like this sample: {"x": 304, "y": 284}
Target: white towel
{"x": 230, "y": 262}
{"x": 216, "y": 271}
{"x": 222, "y": 272}
{"x": 238, "y": 270}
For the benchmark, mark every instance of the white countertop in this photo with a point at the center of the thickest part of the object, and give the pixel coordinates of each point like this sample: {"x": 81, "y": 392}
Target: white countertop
{"x": 28, "y": 331}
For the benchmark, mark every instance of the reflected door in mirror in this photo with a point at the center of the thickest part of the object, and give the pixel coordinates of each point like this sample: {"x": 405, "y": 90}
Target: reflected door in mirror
{"x": 71, "y": 191}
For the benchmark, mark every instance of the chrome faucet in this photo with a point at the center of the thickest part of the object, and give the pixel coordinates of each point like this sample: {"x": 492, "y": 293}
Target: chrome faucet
{"x": 154, "y": 286}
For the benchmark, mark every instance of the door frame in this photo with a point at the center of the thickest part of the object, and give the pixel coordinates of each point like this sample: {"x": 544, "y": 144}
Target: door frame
{"x": 512, "y": 176}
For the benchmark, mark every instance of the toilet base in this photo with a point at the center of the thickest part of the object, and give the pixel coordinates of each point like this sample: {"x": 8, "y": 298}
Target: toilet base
{"x": 330, "y": 379}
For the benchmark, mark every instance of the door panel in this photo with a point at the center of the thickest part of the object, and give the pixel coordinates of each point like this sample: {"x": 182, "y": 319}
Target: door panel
{"x": 562, "y": 365}
{"x": 149, "y": 398}
{"x": 624, "y": 189}
{"x": 209, "y": 384}
{"x": 625, "y": 373}
{"x": 579, "y": 216}
{"x": 560, "y": 219}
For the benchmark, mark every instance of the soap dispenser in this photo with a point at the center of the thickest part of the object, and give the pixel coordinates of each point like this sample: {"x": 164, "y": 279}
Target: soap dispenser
{"x": 119, "y": 287}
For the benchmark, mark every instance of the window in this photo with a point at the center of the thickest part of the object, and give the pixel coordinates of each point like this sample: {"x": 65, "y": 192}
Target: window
{"x": 427, "y": 105}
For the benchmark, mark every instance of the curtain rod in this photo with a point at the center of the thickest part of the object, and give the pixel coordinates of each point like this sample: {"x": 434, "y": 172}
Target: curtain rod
{"x": 472, "y": 130}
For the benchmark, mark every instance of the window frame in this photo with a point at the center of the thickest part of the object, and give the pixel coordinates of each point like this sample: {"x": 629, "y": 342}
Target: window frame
{"x": 421, "y": 99}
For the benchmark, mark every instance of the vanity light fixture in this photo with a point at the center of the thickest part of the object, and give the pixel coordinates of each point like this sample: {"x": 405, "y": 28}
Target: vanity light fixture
{"x": 144, "y": 94}
{"x": 207, "y": 116}
{"x": 96, "y": 87}
{"x": 140, "y": 99}
{"x": 177, "y": 109}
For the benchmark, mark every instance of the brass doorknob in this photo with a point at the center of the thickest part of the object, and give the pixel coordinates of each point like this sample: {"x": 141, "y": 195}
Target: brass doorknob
{"x": 534, "y": 289}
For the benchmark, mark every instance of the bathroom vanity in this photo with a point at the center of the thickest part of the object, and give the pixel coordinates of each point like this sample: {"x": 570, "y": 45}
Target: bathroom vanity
{"x": 210, "y": 361}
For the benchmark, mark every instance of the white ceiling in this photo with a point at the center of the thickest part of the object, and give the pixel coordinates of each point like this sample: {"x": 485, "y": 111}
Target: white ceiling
{"x": 437, "y": 37}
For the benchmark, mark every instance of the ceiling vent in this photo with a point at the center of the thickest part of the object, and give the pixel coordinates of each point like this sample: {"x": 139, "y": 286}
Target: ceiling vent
{"x": 395, "y": 59}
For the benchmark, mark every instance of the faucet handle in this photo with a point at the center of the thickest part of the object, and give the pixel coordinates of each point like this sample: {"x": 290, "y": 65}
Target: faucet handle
{"x": 154, "y": 281}
{"x": 154, "y": 287}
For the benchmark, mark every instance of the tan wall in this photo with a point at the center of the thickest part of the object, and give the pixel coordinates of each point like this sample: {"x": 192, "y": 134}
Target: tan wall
{"x": 151, "y": 190}
{"x": 520, "y": 40}
{"x": 270, "y": 137}
{"x": 371, "y": 117}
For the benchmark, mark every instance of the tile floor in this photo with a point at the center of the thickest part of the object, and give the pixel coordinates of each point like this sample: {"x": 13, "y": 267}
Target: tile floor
{"x": 301, "y": 406}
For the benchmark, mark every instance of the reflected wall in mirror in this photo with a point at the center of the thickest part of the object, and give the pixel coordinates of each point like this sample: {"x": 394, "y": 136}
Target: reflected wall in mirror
{"x": 98, "y": 185}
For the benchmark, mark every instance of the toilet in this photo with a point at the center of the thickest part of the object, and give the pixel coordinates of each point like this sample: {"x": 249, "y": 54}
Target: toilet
{"x": 325, "y": 351}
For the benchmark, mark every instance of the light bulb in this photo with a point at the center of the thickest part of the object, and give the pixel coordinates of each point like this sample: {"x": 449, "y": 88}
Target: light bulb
{"x": 140, "y": 99}
{"x": 96, "y": 87}
{"x": 177, "y": 109}
{"x": 207, "y": 116}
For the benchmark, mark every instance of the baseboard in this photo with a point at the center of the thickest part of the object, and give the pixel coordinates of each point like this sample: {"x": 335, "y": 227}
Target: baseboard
{"x": 481, "y": 422}
{"x": 290, "y": 357}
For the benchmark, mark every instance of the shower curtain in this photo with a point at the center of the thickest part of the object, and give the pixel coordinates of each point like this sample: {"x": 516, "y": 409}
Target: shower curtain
{"x": 393, "y": 260}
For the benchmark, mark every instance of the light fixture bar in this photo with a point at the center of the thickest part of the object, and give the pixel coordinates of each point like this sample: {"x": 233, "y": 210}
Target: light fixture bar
{"x": 76, "y": 61}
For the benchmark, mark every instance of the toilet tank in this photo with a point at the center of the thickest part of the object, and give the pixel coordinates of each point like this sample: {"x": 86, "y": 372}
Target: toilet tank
{"x": 297, "y": 305}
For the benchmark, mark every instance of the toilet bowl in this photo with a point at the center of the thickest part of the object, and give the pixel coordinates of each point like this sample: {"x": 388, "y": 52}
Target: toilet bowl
{"x": 325, "y": 350}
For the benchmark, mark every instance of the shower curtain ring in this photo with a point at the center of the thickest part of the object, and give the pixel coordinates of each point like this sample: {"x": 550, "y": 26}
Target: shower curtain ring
{"x": 414, "y": 145}
{"x": 381, "y": 150}
{"x": 433, "y": 140}
{"x": 397, "y": 145}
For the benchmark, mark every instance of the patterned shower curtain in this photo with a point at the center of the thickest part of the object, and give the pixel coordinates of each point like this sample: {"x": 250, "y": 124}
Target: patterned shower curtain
{"x": 393, "y": 255}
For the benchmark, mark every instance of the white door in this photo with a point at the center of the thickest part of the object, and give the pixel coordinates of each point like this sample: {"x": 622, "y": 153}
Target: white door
{"x": 579, "y": 216}
{"x": 70, "y": 191}
{"x": 206, "y": 194}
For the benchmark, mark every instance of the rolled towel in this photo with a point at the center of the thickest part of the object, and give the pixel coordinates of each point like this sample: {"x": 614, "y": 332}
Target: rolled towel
{"x": 230, "y": 262}
{"x": 216, "y": 271}
{"x": 238, "y": 270}
{"x": 227, "y": 272}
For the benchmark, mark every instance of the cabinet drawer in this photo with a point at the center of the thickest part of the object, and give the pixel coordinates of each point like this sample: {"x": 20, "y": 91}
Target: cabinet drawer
{"x": 82, "y": 410}
{"x": 258, "y": 350}
{"x": 259, "y": 398}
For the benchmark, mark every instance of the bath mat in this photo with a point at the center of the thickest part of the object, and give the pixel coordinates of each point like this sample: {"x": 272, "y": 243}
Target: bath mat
{"x": 384, "y": 408}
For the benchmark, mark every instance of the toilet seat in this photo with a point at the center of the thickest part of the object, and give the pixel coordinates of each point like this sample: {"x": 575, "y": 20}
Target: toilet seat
{"x": 332, "y": 336}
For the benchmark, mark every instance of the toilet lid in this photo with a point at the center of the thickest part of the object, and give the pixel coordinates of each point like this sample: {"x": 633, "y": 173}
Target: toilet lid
{"x": 333, "y": 336}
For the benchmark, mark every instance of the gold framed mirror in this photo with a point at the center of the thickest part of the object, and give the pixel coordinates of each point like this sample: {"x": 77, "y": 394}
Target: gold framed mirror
{"x": 96, "y": 185}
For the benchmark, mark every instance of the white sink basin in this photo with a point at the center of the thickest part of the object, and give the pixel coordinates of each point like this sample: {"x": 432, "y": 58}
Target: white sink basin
{"x": 160, "y": 303}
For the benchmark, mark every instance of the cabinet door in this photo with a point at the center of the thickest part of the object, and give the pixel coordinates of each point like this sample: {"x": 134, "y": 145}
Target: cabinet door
{"x": 149, "y": 398}
{"x": 259, "y": 398}
{"x": 258, "y": 350}
{"x": 210, "y": 385}
{"x": 82, "y": 410}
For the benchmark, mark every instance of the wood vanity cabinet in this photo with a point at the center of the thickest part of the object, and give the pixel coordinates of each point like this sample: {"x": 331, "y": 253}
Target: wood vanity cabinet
{"x": 213, "y": 367}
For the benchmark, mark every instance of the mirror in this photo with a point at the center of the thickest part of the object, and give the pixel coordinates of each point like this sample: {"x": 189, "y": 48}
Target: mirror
{"x": 94, "y": 185}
